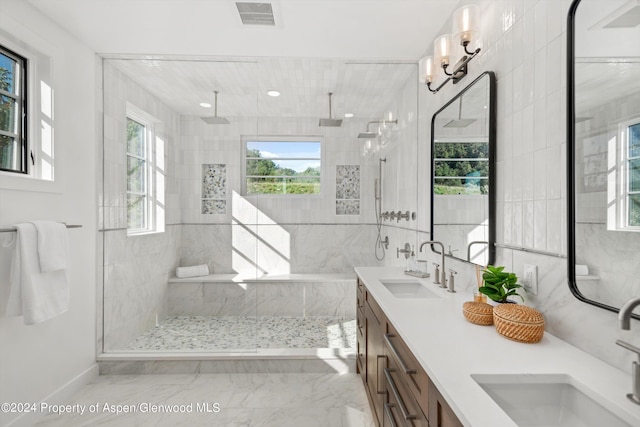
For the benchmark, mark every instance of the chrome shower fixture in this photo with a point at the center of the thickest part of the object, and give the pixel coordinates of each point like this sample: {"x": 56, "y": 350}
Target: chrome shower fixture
{"x": 330, "y": 122}
{"x": 370, "y": 135}
{"x": 215, "y": 120}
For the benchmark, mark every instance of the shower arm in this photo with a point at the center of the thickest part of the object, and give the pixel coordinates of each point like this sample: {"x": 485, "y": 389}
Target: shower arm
{"x": 395, "y": 122}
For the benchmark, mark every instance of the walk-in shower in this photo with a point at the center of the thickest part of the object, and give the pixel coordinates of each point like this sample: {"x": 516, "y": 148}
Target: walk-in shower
{"x": 277, "y": 285}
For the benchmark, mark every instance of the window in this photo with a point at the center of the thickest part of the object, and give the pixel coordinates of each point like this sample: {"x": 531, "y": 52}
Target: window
{"x": 284, "y": 166}
{"x": 633, "y": 175}
{"x": 145, "y": 174}
{"x": 461, "y": 168}
{"x": 13, "y": 118}
{"x": 623, "y": 189}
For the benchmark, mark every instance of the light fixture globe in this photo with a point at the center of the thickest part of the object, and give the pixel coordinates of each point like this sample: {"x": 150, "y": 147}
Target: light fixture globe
{"x": 442, "y": 50}
{"x": 426, "y": 70}
{"x": 466, "y": 26}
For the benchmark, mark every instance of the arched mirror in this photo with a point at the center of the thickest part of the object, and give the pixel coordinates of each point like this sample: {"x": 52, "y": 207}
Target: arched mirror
{"x": 463, "y": 140}
{"x": 603, "y": 156}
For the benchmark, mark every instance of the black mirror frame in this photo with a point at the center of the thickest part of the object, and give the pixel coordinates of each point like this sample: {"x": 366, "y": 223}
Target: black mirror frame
{"x": 492, "y": 162}
{"x": 571, "y": 170}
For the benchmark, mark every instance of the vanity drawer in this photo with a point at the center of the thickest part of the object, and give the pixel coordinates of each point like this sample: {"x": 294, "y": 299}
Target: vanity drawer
{"x": 375, "y": 308}
{"x": 408, "y": 367}
{"x": 401, "y": 408}
{"x": 360, "y": 341}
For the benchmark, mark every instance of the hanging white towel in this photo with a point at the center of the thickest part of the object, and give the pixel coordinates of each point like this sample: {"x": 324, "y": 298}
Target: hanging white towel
{"x": 193, "y": 271}
{"x": 35, "y": 295}
{"x": 52, "y": 245}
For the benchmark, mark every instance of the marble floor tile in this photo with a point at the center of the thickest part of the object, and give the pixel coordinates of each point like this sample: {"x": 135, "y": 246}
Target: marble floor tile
{"x": 225, "y": 400}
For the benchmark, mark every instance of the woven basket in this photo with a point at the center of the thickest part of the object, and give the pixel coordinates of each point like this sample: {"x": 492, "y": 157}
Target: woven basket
{"x": 479, "y": 313}
{"x": 518, "y": 322}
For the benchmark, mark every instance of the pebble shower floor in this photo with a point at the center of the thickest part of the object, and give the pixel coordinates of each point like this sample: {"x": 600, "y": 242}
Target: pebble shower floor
{"x": 242, "y": 333}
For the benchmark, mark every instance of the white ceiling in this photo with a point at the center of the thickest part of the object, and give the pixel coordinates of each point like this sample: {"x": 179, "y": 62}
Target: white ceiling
{"x": 381, "y": 29}
{"x": 310, "y": 52}
{"x": 363, "y": 89}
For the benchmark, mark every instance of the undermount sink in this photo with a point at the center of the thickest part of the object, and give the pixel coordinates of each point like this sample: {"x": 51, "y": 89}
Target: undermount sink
{"x": 548, "y": 400}
{"x": 407, "y": 289}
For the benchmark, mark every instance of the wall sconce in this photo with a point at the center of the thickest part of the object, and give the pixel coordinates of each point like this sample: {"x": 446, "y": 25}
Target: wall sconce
{"x": 466, "y": 21}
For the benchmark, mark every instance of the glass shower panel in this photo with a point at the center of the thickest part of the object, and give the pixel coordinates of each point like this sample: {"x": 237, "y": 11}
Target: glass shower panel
{"x": 196, "y": 212}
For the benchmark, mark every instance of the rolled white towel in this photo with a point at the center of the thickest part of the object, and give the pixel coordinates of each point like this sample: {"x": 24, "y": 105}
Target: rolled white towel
{"x": 192, "y": 271}
{"x": 582, "y": 270}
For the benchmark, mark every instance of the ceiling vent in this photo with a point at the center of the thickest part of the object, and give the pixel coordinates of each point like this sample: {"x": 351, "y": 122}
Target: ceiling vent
{"x": 256, "y": 13}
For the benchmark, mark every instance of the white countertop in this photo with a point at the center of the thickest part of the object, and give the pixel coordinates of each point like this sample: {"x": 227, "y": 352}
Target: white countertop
{"x": 451, "y": 349}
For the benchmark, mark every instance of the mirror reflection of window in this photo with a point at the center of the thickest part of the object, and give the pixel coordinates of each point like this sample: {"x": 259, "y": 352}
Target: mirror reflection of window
{"x": 605, "y": 199}
{"x": 462, "y": 141}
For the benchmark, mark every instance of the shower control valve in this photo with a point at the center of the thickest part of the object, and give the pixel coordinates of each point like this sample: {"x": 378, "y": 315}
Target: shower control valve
{"x": 405, "y": 215}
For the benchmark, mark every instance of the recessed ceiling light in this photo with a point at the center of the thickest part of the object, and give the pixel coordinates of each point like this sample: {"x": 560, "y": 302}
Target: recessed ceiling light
{"x": 205, "y": 105}
{"x": 348, "y": 115}
{"x": 273, "y": 92}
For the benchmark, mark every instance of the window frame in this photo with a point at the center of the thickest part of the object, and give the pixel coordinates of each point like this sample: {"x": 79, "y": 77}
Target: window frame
{"x": 626, "y": 187}
{"x": 285, "y": 139}
{"x": 153, "y": 223}
{"x": 618, "y": 192}
{"x": 21, "y": 99}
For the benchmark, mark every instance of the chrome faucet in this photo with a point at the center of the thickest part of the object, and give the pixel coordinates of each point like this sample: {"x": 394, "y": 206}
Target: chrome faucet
{"x": 443, "y": 271}
{"x": 624, "y": 316}
{"x": 624, "y": 320}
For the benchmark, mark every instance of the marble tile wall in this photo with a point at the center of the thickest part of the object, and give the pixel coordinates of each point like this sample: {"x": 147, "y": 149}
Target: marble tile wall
{"x": 135, "y": 269}
{"x": 335, "y": 299}
{"x": 524, "y": 43}
{"x": 258, "y": 249}
{"x": 206, "y": 144}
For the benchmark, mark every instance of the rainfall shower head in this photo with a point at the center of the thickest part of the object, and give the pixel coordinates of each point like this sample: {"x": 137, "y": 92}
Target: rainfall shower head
{"x": 370, "y": 135}
{"x": 215, "y": 120}
{"x": 459, "y": 123}
{"x": 367, "y": 135}
{"x": 330, "y": 122}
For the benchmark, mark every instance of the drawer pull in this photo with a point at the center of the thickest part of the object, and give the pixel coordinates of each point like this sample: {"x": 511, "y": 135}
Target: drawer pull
{"x": 405, "y": 413}
{"x": 378, "y": 374}
{"x": 389, "y": 414}
{"x": 387, "y": 338}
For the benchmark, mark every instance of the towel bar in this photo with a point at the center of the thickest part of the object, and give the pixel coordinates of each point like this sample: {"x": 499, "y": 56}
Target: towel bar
{"x": 13, "y": 229}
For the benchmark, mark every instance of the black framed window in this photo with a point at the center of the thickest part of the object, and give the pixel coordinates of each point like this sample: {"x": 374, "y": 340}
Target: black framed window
{"x": 13, "y": 111}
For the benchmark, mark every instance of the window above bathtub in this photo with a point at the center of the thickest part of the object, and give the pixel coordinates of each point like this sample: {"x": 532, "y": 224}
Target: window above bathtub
{"x": 284, "y": 166}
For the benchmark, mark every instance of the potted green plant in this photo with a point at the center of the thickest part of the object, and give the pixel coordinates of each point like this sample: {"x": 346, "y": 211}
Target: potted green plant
{"x": 499, "y": 285}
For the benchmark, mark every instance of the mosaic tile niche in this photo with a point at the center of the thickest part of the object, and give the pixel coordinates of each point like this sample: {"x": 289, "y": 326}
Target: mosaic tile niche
{"x": 347, "y": 190}
{"x": 214, "y": 189}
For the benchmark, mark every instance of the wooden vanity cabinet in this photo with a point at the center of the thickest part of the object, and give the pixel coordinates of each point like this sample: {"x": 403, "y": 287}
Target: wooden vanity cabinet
{"x": 361, "y": 342}
{"x": 376, "y": 361}
{"x": 441, "y": 414}
{"x": 399, "y": 390}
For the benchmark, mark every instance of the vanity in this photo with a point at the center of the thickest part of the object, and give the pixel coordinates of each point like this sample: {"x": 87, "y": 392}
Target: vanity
{"x": 423, "y": 364}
